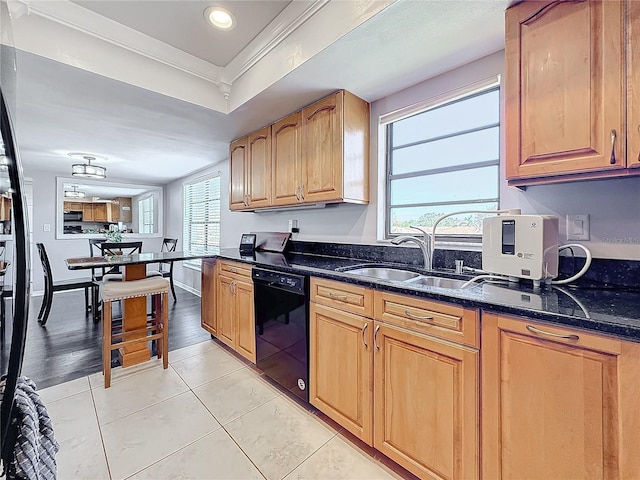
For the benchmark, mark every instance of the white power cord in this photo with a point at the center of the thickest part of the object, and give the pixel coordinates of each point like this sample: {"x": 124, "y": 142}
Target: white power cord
{"x": 484, "y": 277}
{"x": 582, "y": 271}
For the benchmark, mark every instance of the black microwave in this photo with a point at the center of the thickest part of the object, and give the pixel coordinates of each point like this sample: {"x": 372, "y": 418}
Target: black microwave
{"x": 72, "y": 216}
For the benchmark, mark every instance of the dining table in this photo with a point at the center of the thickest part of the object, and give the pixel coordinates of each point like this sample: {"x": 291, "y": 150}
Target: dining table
{"x": 134, "y": 310}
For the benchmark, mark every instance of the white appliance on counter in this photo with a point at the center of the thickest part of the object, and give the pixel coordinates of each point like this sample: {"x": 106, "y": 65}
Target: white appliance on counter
{"x": 521, "y": 246}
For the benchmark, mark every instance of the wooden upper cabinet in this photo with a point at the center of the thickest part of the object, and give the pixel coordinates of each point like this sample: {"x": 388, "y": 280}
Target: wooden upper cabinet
{"x": 317, "y": 155}
{"x": 87, "y": 212}
{"x": 286, "y": 160}
{"x": 633, "y": 84}
{"x": 557, "y": 402}
{"x": 258, "y": 171}
{"x": 565, "y": 95}
{"x": 100, "y": 212}
{"x": 237, "y": 174}
{"x": 335, "y": 150}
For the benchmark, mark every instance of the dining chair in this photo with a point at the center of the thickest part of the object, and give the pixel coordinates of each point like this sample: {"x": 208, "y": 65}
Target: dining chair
{"x": 50, "y": 287}
{"x": 166, "y": 268}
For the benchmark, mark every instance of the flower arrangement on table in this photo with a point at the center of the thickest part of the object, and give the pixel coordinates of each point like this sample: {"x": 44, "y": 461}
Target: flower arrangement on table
{"x": 113, "y": 236}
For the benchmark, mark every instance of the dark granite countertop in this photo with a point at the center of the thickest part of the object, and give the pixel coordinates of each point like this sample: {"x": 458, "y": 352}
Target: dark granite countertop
{"x": 611, "y": 311}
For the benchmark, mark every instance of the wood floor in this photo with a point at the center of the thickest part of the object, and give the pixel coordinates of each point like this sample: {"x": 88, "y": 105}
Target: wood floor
{"x": 69, "y": 346}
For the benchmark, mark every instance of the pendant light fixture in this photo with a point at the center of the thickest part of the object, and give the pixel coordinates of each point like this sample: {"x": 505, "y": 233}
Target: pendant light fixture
{"x": 87, "y": 170}
{"x": 75, "y": 193}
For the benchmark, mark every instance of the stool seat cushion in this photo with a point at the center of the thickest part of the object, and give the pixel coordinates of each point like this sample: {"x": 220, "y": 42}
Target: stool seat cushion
{"x": 111, "y": 291}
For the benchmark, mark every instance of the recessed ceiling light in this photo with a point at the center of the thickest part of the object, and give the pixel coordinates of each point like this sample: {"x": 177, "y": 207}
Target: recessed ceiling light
{"x": 220, "y": 18}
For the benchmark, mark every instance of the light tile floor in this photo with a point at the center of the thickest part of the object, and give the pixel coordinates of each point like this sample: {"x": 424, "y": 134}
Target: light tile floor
{"x": 210, "y": 415}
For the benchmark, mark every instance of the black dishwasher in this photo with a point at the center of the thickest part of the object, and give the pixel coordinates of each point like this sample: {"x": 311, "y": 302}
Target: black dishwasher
{"x": 282, "y": 326}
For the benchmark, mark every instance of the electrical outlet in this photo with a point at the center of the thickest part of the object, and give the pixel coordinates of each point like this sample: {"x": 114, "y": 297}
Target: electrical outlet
{"x": 578, "y": 227}
{"x": 46, "y": 227}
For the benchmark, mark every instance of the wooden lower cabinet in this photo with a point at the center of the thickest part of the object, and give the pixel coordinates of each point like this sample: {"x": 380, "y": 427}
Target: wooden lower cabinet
{"x": 341, "y": 368}
{"x": 426, "y": 403}
{"x": 228, "y": 312}
{"x": 558, "y": 403}
{"x": 208, "y": 297}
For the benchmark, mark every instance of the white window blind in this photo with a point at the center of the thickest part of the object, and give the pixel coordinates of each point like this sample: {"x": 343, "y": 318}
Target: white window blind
{"x": 145, "y": 209}
{"x": 202, "y": 217}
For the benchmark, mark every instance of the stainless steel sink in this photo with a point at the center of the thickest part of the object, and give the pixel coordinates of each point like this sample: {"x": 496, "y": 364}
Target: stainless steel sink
{"x": 439, "y": 282}
{"x": 385, "y": 273}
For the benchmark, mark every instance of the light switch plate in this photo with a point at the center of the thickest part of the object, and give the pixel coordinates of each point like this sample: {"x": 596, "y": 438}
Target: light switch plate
{"x": 578, "y": 227}
{"x": 46, "y": 227}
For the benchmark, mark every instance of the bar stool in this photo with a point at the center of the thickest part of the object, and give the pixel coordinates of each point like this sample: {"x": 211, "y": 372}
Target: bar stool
{"x": 157, "y": 327}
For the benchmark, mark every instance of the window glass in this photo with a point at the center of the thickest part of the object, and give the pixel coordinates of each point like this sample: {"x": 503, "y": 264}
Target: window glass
{"x": 443, "y": 160}
{"x": 145, "y": 210}
{"x": 202, "y": 217}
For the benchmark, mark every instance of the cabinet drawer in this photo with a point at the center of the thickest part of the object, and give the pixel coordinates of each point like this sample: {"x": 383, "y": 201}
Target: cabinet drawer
{"x": 443, "y": 320}
{"x": 235, "y": 269}
{"x": 343, "y": 296}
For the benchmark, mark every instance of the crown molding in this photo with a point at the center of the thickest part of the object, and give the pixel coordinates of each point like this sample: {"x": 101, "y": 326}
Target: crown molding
{"x": 287, "y": 22}
{"x": 90, "y": 23}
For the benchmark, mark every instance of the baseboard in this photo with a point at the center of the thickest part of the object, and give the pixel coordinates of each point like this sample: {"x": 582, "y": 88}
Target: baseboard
{"x": 187, "y": 288}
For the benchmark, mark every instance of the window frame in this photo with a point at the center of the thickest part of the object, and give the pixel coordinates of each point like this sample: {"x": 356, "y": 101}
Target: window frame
{"x": 387, "y": 120}
{"x": 141, "y": 213}
{"x": 196, "y": 264}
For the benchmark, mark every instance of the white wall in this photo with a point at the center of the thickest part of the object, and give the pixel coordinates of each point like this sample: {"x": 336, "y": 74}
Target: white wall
{"x": 44, "y": 212}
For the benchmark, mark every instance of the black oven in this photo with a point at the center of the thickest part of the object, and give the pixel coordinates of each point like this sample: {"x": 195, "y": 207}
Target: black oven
{"x": 282, "y": 326}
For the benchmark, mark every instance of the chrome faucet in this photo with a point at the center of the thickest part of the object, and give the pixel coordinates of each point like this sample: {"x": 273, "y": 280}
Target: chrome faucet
{"x": 424, "y": 247}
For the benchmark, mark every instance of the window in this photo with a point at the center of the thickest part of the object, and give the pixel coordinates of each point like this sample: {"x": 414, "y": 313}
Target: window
{"x": 441, "y": 159}
{"x": 202, "y": 217}
{"x": 145, "y": 219}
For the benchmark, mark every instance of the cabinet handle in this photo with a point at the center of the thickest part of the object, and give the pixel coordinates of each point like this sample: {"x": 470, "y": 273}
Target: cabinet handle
{"x": 533, "y": 329}
{"x": 639, "y": 151}
{"x": 375, "y": 337}
{"x": 416, "y": 317}
{"x": 364, "y": 329}
{"x": 302, "y": 192}
{"x": 298, "y": 193}
{"x": 234, "y": 284}
{"x": 613, "y": 147}
{"x": 338, "y": 297}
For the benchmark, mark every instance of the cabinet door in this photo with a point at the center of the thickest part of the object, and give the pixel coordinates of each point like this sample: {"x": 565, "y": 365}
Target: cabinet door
{"x": 564, "y": 88}
{"x": 341, "y": 368}
{"x": 633, "y": 90}
{"x": 100, "y": 212}
{"x": 259, "y": 168}
{"x": 286, "y": 162}
{"x": 87, "y": 212}
{"x": 557, "y": 403}
{"x": 225, "y": 310}
{"x": 208, "y": 297}
{"x": 237, "y": 180}
{"x": 426, "y": 403}
{"x": 246, "y": 331}
{"x": 113, "y": 212}
{"x": 125, "y": 209}
{"x": 322, "y": 150}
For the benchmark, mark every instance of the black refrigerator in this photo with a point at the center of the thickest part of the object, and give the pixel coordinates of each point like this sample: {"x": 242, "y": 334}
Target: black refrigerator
{"x": 11, "y": 171}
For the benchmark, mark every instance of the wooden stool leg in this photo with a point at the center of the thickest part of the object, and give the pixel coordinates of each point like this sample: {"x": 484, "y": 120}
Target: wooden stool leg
{"x": 106, "y": 343}
{"x": 165, "y": 329}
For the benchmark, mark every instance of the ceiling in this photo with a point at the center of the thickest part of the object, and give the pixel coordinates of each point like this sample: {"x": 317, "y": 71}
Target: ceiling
{"x": 150, "y": 86}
